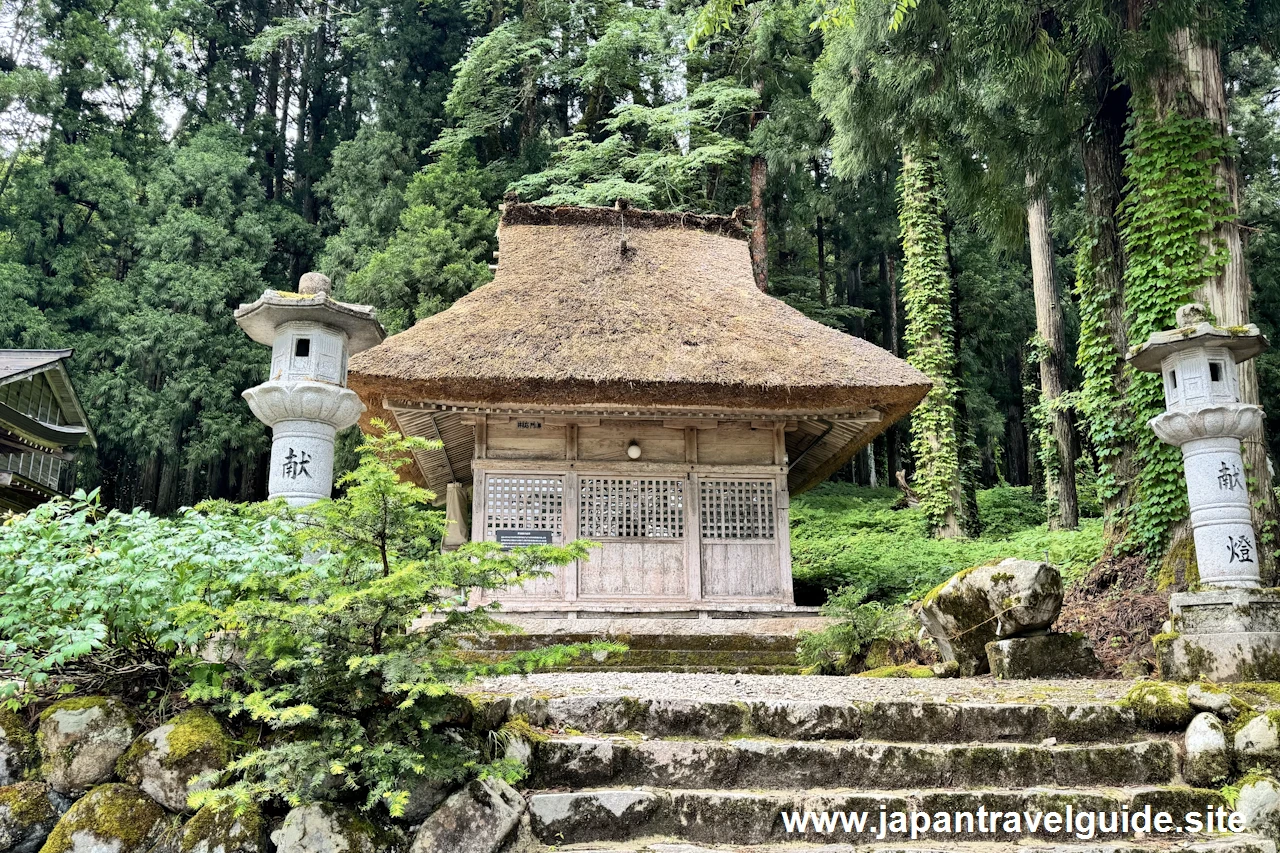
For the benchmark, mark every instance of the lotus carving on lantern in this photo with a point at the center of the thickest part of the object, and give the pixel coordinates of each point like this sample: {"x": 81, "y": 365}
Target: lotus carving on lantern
{"x": 273, "y": 402}
{"x": 1233, "y": 420}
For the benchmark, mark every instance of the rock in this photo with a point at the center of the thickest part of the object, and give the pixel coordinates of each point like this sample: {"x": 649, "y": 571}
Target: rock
{"x": 1203, "y": 698}
{"x": 594, "y": 815}
{"x": 28, "y": 813}
{"x": 986, "y": 603}
{"x": 17, "y": 747}
{"x": 81, "y": 740}
{"x": 1259, "y": 804}
{"x": 424, "y": 796}
{"x": 1258, "y": 741}
{"x": 477, "y": 819}
{"x": 1208, "y": 759}
{"x": 109, "y": 819}
{"x": 946, "y": 669}
{"x": 211, "y": 831}
{"x": 1158, "y": 706}
{"x": 164, "y": 760}
{"x": 330, "y": 829}
{"x": 1043, "y": 656}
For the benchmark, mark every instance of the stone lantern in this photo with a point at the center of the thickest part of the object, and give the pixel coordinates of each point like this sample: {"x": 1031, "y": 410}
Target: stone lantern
{"x": 1225, "y": 631}
{"x": 305, "y": 400}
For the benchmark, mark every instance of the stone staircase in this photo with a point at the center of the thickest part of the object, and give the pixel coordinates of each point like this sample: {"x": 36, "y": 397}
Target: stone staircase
{"x": 626, "y": 774}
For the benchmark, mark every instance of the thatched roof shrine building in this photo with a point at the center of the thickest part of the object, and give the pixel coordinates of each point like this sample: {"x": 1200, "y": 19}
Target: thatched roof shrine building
{"x": 622, "y": 379}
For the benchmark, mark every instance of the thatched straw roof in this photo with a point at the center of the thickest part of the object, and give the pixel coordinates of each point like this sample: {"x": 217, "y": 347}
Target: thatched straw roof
{"x": 659, "y": 310}
{"x": 674, "y": 320}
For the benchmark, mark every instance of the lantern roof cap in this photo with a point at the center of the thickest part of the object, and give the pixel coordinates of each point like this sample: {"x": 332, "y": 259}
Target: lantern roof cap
{"x": 1243, "y": 342}
{"x": 261, "y": 318}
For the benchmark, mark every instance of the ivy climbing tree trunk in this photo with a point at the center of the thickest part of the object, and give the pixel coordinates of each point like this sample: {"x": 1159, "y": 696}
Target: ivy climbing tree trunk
{"x": 926, "y": 296}
{"x": 1194, "y": 84}
{"x": 1060, "y": 465}
{"x": 1100, "y": 266}
{"x": 889, "y": 310}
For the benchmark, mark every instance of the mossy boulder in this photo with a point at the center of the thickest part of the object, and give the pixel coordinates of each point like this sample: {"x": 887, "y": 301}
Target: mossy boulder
{"x": 224, "y": 831}
{"x": 1159, "y": 706}
{"x": 987, "y": 603}
{"x": 1259, "y": 804}
{"x": 332, "y": 829}
{"x": 81, "y": 739}
{"x": 164, "y": 761}
{"x": 17, "y": 747}
{"x": 478, "y": 819}
{"x": 28, "y": 813}
{"x": 1049, "y": 655}
{"x": 1257, "y": 742}
{"x": 112, "y": 818}
{"x": 1208, "y": 761}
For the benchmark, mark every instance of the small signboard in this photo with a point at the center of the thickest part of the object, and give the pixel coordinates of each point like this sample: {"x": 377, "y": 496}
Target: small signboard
{"x": 517, "y": 538}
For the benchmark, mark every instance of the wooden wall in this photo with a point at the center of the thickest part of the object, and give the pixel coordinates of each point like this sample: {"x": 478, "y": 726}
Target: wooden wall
{"x": 699, "y": 466}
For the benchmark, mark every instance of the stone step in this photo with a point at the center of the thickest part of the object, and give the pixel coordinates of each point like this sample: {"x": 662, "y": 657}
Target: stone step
{"x": 763, "y": 661}
{"x": 756, "y": 817}
{"x": 703, "y": 669}
{"x": 639, "y": 641}
{"x": 588, "y": 762}
{"x": 1228, "y": 844}
{"x": 899, "y": 720}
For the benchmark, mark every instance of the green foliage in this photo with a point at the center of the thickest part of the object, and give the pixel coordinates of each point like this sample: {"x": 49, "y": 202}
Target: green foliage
{"x": 926, "y": 299}
{"x": 1173, "y": 205}
{"x": 439, "y": 252}
{"x": 847, "y": 536}
{"x": 88, "y": 587}
{"x": 840, "y": 647}
{"x": 350, "y": 658}
{"x": 658, "y": 156}
{"x": 1006, "y": 510}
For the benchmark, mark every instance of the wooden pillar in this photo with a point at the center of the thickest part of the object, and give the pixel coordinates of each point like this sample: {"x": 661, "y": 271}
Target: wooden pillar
{"x": 693, "y": 535}
{"x": 783, "y": 503}
{"x": 570, "y": 586}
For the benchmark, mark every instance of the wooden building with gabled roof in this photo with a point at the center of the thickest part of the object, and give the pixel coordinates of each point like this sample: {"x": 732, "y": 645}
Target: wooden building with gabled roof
{"x": 623, "y": 380}
{"x": 41, "y": 425}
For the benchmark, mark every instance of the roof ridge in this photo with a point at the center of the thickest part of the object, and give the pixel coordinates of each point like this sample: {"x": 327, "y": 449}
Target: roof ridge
{"x": 518, "y": 213}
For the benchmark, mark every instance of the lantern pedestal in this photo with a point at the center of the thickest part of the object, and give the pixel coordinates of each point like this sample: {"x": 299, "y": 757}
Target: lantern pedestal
{"x": 1222, "y": 635}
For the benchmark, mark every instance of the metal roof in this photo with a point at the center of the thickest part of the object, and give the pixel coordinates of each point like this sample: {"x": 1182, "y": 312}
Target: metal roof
{"x": 20, "y": 363}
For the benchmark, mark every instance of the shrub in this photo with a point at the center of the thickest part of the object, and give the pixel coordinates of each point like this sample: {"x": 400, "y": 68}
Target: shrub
{"x": 349, "y": 661}
{"x": 88, "y": 593}
{"x": 842, "y": 646}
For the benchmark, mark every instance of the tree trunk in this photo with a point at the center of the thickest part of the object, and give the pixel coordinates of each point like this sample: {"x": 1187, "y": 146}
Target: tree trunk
{"x": 1196, "y": 85}
{"x": 1103, "y": 160}
{"x": 927, "y": 294}
{"x": 889, "y": 313}
{"x": 759, "y": 244}
{"x": 854, "y": 299}
{"x": 282, "y": 135}
{"x": 823, "y": 295}
{"x": 1060, "y": 481}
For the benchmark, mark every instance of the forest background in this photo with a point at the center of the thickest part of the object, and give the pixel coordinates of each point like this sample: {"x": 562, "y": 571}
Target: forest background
{"x": 1009, "y": 194}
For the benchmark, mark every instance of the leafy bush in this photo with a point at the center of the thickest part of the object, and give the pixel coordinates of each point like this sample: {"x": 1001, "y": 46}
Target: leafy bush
{"x": 843, "y": 535}
{"x": 88, "y": 594}
{"x": 350, "y": 659}
{"x": 842, "y": 646}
